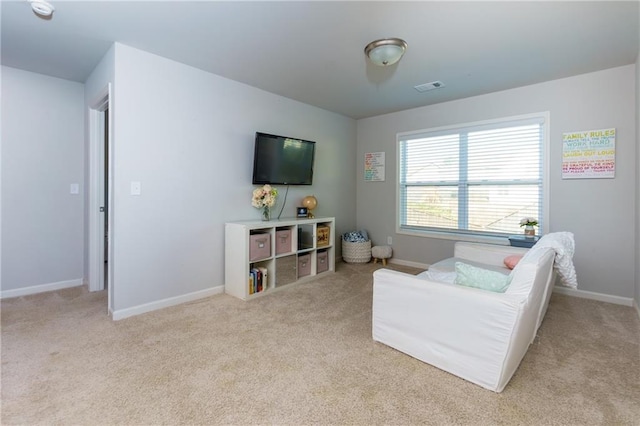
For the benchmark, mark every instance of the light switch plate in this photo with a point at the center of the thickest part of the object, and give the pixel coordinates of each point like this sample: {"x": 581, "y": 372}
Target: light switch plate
{"x": 136, "y": 188}
{"x": 74, "y": 188}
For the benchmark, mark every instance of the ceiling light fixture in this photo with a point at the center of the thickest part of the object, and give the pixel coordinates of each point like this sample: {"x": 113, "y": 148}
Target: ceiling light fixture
{"x": 42, "y": 7}
{"x": 386, "y": 51}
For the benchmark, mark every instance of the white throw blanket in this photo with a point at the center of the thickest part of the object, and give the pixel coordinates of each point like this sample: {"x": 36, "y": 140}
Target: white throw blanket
{"x": 564, "y": 246}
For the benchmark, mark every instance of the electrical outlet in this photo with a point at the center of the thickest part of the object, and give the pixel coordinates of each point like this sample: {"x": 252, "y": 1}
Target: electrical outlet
{"x": 389, "y": 240}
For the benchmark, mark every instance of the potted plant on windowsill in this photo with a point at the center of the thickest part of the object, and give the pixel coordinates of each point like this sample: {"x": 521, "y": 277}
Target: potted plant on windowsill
{"x": 529, "y": 224}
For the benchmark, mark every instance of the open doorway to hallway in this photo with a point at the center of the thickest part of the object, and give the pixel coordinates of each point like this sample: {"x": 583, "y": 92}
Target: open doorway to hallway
{"x": 100, "y": 200}
{"x": 105, "y": 204}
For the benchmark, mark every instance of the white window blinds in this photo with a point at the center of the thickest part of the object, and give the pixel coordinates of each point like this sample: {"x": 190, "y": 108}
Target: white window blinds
{"x": 479, "y": 179}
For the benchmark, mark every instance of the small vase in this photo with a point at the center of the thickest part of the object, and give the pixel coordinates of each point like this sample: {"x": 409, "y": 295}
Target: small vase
{"x": 529, "y": 231}
{"x": 266, "y": 213}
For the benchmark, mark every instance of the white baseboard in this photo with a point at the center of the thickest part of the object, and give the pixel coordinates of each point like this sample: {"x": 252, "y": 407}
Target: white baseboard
{"x": 618, "y": 300}
{"x": 25, "y": 291}
{"x": 637, "y": 306}
{"x": 165, "y": 303}
{"x": 399, "y": 262}
{"x": 409, "y": 263}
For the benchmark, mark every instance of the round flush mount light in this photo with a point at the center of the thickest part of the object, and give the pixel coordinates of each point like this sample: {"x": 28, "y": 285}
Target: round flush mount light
{"x": 42, "y": 7}
{"x": 385, "y": 51}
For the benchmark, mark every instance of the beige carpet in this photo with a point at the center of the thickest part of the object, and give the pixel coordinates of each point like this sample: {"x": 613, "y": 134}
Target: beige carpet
{"x": 300, "y": 356}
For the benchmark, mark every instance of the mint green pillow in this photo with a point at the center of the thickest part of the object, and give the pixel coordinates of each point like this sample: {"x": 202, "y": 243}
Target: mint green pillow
{"x": 472, "y": 276}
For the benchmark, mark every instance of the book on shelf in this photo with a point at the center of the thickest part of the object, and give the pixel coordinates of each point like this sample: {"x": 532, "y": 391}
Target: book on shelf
{"x": 258, "y": 280}
{"x": 263, "y": 272}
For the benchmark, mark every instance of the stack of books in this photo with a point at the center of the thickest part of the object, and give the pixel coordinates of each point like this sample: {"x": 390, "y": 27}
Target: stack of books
{"x": 257, "y": 280}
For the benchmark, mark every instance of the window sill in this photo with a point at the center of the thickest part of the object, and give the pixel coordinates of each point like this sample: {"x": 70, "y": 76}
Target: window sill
{"x": 486, "y": 239}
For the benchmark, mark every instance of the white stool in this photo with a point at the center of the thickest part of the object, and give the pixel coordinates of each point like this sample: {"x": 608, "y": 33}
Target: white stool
{"x": 381, "y": 252}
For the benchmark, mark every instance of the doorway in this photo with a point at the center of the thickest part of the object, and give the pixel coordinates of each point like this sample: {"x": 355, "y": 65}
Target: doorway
{"x": 105, "y": 200}
{"x": 100, "y": 199}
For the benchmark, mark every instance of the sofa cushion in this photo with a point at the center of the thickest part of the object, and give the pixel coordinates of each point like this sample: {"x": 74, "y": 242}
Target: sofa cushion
{"x": 488, "y": 254}
{"x": 449, "y": 265}
{"x": 485, "y": 279}
{"x": 439, "y": 276}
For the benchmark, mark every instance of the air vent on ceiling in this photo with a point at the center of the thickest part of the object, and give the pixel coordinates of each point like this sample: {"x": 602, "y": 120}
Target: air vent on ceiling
{"x": 429, "y": 86}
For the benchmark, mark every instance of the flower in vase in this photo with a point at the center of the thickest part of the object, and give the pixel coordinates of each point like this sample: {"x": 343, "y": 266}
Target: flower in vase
{"x": 264, "y": 197}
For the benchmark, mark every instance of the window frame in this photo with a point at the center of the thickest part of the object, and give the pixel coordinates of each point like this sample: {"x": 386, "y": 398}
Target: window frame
{"x": 460, "y": 235}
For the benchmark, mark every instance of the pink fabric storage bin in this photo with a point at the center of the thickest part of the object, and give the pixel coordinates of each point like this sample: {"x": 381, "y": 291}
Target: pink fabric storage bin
{"x": 322, "y": 262}
{"x": 259, "y": 246}
{"x": 304, "y": 265}
{"x": 283, "y": 241}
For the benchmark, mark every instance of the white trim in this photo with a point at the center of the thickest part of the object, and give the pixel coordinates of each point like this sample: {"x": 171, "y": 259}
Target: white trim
{"x": 401, "y": 262}
{"x": 96, "y": 228}
{"x": 96, "y": 194}
{"x": 409, "y": 263}
{"x": 165, "y": 303}
{"x": 42, "y": 288}
{"x": 444, "y": 235}
{"x": 637, "y": 306}
{"x": 474, "y": 124}
{"x": 584, "y": 294}
{"x": 546, "y": 173}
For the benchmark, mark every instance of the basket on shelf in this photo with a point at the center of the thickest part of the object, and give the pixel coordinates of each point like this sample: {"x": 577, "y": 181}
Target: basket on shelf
{"x": 356, "y": 252}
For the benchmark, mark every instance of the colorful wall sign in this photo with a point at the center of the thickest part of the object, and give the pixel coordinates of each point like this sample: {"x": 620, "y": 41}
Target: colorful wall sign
{"x": 590, "y": 154}
{"x": 374, "y": 166}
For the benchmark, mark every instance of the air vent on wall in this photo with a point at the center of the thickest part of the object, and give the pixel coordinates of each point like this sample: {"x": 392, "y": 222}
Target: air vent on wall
{"x": 429, "y": 86}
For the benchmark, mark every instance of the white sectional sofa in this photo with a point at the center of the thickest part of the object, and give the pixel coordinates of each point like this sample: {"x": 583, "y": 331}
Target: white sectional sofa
{"x": 478, "y": 335}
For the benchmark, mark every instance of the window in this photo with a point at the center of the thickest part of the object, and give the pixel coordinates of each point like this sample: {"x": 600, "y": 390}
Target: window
{"x": 478, "y": 179}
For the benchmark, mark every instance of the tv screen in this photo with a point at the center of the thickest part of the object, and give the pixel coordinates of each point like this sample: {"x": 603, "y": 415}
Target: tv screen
{"x": 280, "y": 160}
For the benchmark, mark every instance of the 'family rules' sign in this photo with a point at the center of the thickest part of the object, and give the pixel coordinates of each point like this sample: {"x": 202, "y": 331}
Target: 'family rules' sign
{"x": 374, "y": 166}
{"x": 590, "y": 154}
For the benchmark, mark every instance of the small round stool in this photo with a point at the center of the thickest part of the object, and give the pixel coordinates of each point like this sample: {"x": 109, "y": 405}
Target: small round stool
{"x": 381, "y": 252}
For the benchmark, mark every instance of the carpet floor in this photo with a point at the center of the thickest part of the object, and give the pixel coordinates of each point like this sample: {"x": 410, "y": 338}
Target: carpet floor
{"x": 300, "y": 356}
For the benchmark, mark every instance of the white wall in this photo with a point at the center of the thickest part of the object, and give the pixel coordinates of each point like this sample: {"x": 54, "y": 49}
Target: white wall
{"x": 600, "y": 212}
{"x": 187, "y": 136}
{"x": 42, "y": 155}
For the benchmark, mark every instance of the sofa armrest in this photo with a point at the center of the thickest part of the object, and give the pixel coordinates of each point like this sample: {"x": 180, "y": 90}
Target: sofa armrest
{"x": 490, "y": 254}
{"x": 463, "y": 330}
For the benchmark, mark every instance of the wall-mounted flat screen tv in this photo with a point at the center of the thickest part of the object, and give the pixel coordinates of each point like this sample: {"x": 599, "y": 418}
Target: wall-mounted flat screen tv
{"x": 280, "y": 160}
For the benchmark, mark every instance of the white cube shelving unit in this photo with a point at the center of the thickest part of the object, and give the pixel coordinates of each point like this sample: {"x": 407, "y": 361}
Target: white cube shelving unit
{"x": 288, "y": 267}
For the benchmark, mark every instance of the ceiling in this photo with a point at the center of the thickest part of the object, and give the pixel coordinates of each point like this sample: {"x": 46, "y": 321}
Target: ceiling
{"x": 313, "y": 51}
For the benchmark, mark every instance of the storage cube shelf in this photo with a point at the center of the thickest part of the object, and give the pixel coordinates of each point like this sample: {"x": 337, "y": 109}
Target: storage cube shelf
{"x": 304, "y": 265}
{"x": 322, "y": 261}
{"x": 259, "y": 246}
{"x": 283, "y": 241}
{"x": 262, "y": 257}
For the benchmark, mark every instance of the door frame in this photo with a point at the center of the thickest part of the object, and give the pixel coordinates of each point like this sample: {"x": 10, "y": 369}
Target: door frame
{"x": 96, "y": 194}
